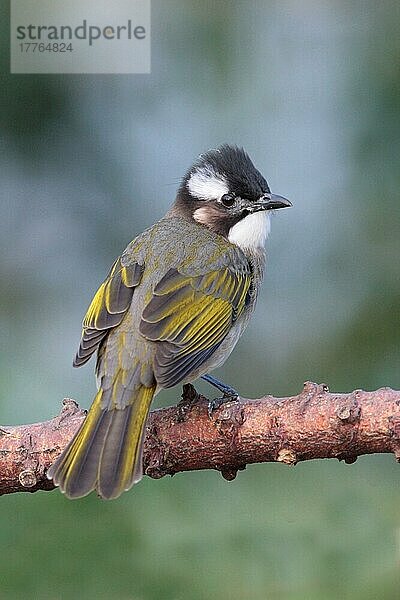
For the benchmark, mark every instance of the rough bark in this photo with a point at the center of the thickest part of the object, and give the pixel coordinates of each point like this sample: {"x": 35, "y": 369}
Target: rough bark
{"x": 313, "y": 424}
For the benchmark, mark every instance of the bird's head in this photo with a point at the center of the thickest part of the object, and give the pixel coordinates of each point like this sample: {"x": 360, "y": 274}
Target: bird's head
{"x": 226, "y": 193}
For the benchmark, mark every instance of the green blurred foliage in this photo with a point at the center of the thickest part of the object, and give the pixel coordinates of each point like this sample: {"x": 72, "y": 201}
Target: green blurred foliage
{"x": 312, "y": 90}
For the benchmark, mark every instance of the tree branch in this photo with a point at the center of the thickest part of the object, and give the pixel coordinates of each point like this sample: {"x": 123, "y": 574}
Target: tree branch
{"x": 313, "y": 424}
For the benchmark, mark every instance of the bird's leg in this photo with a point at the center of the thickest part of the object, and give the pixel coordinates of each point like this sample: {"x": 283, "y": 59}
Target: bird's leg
{"x": 227, "y": 390}
{"x": 229, "y": 393}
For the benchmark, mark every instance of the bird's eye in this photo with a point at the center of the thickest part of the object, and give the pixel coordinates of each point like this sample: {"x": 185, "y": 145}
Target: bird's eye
{"x": 228, "y": 200}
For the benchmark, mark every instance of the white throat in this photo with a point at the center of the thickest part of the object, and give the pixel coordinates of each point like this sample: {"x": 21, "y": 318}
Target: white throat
{"x": 251, "y": 232}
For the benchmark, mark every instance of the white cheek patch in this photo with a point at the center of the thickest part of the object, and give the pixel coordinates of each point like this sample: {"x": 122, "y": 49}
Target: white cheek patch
{"x": 251, "y": 232}
{"x": 206, "y": 184}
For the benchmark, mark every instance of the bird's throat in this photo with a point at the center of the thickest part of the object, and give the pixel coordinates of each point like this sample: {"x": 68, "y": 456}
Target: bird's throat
{"x": 251, "y": 232}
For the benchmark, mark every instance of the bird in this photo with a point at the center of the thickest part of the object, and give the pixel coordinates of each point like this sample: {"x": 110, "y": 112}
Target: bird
{"x": 170, "y": 310}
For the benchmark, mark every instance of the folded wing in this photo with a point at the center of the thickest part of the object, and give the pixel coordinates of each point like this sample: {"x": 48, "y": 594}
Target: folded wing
{"x": 189, "y": 316}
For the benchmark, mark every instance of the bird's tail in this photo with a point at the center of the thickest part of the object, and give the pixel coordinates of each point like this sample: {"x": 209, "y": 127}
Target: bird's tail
{"x": 106, "y": 453}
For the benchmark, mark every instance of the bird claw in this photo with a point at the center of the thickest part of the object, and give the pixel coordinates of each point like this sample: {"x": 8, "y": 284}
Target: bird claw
{"x": 216, "y": 403}
{"x": 189, "y": 397}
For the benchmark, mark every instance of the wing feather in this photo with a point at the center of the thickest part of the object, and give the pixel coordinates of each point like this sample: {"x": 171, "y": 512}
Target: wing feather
{"x": 189, "y": 317}
{"x": 108, "y": 307}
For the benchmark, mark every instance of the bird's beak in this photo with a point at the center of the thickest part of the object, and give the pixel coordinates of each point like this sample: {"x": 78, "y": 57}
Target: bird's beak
{"x": 271, "y": 202}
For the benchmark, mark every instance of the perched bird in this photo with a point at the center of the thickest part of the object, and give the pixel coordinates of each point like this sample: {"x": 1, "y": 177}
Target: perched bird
{"x": 171, "y": 309}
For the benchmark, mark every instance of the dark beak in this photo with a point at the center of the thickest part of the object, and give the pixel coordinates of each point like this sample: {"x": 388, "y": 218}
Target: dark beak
{"x": 272, "y": 202}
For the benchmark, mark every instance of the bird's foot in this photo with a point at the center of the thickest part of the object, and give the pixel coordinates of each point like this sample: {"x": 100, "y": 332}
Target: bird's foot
{"x": 189, "y": 397}
{"x": 216, "y": 403}
{"x": 229, "y": 394}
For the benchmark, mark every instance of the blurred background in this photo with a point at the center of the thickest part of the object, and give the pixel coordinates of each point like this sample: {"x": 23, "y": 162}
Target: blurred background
{"x": 312, "y": 91}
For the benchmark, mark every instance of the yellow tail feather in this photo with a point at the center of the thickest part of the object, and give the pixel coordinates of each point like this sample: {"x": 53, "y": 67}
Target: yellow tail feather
{"x": 106, "y": 453}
